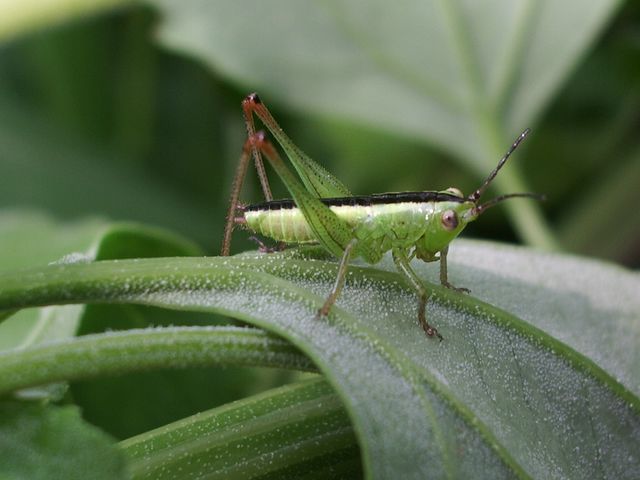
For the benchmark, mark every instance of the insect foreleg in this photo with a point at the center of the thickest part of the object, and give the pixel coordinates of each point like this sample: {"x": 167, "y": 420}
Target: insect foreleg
{"x": 403, "y": 266}
{"x": 443, "y": 272}
{"x": 340, "y": 278}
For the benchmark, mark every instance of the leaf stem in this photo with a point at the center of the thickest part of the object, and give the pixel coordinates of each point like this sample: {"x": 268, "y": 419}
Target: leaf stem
{"x": 296, "y": 430}
{"x": 526, "y": 217}
{"x": 144, "y": 349}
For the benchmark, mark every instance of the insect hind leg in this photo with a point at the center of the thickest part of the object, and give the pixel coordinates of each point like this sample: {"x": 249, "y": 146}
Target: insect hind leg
{"x": 238, "y": 179}
{"x": 249, "y": 105}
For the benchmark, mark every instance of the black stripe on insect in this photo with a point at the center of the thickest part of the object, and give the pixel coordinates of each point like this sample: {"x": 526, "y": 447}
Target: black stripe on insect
{"x": 363, "y": 200}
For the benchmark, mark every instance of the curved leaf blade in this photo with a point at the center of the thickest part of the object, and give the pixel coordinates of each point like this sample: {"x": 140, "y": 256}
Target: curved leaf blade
{"x": 21, "y": 244}
{"x": 438, "y": 70}
{"x": 301, "y": 429}
{"x": 138, "y": 350}
{"x": 498, "y": 396}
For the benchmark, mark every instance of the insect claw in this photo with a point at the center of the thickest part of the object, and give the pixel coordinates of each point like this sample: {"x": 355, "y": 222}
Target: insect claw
{"x": 432, "y": 332}
{"x": 456, "y": 289}
{"x": 263, "y": 248}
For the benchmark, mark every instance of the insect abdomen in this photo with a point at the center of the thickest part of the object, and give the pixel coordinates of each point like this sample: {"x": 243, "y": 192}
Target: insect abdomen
{"x": 402, "y": 223}
{"x": 289, "y": 225}
{"x": 284, "y": 225}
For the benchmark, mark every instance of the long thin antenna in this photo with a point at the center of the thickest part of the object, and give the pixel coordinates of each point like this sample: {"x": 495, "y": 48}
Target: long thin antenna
{"x": 495, "y": 201}
{"x": 475, "y": 196}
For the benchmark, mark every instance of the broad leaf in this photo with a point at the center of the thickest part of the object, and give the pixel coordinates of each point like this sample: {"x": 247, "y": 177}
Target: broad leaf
{"x": 43, "y": 442}
{"x": 499, "y": 397}
{"x": 22, "y": 244}
{"x": 118, "y": 405}
{"x": 466, "y": 76}
{"x": 29, "y": 15}
{"x": 75, "y": 178}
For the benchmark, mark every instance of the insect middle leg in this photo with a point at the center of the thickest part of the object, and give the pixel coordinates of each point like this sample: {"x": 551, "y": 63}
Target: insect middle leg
{"x": 401, "y": 260}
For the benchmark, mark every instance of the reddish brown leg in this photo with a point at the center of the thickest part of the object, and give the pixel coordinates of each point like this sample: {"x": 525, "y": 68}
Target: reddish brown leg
{"x": 248, "y": 107}
{"x": 264, "y": 248}
{"x": 251, "y": 104}
{"x": 257, "y": 142}
{"x": 308, "y": 171}
{"x": 257, "y": 146}
{"x": 238, "y": 179}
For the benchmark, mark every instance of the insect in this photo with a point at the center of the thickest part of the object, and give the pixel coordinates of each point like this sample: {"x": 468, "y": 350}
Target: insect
{"x": 323, "y": 211}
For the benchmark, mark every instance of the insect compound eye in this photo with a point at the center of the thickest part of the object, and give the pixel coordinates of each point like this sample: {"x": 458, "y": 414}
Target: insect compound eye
{"x": 449, "y": 220}
{"x": 455, "y": 192}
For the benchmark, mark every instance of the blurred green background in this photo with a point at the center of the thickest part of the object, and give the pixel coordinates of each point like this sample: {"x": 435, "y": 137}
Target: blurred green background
{"x": 99, "y": 118}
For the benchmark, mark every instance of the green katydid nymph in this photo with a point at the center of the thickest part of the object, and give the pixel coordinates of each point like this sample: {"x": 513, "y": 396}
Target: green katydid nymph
{"x": 323, "y": 211}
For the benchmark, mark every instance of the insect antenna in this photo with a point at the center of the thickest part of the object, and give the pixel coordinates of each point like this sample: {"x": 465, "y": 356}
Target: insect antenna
{"x": 494, "y": 201}
{"x": 475, "y": 196}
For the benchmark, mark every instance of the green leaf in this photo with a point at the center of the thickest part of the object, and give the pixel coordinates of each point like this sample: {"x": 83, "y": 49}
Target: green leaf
{"x": 29, "y": 15}
{"x": 301, "y": 429}
{"x": 134, "y": 350}
{"x": 22, "y": 232}
{"x": 118, "y": 405}
{"x": 501, "y": 396}
{"x": 21, "y": 244}
{"x": 45, "y": 442}
{"x": 73, "y": 177}
{"x": 596, "y": 215}
{"x": 465, "y": 76}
